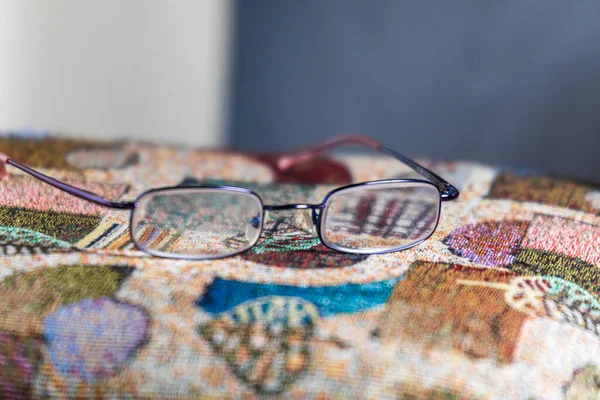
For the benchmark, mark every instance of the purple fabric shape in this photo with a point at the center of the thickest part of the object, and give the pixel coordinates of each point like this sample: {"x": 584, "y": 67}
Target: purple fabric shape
{"x": 492, "y": 243}
{"x": 18, "y": 362}
{"x": 91, "y": 339}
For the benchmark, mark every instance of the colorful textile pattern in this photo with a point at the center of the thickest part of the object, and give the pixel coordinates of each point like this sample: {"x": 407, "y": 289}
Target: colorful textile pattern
{"x": 502, "y": 302}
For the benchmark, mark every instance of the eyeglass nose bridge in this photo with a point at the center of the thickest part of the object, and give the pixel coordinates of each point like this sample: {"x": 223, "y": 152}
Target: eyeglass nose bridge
{"x": 310, "y": 212}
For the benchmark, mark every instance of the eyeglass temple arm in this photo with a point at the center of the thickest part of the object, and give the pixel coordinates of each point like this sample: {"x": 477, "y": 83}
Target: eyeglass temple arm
{"x": 65, "y": 187}
{"x": 447, "y": 191}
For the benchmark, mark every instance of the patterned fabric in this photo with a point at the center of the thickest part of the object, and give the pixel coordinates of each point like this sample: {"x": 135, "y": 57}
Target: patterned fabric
{"x": 503, "y": 302}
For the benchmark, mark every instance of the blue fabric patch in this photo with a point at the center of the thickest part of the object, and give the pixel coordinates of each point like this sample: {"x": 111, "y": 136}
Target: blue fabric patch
{"x": 223, "y": 295}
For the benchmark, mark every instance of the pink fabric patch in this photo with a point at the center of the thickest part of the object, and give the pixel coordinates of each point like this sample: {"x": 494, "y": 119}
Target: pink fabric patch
{"x": 564, "y": 236}
{"x": 30, "y": 193}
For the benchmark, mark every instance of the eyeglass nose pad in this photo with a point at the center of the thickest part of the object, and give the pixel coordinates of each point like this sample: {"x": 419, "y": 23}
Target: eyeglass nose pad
{"x": 254, "y": 225}
{"x": 310, "y": 220}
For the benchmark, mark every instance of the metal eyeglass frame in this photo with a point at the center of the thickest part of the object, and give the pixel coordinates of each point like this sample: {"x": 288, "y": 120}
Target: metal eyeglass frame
{"x": 446, "y": 191}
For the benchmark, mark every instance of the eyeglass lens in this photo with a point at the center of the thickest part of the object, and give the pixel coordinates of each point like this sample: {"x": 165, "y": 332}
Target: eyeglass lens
{"x": 197, "y": 222}
{"x": 379, "y": 218}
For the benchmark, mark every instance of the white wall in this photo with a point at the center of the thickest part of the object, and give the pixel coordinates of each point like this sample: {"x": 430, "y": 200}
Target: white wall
{"x": 142, "y": 69}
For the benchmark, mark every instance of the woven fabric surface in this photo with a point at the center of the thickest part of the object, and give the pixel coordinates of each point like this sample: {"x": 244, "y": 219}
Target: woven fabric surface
{"x": 502, "y": 302}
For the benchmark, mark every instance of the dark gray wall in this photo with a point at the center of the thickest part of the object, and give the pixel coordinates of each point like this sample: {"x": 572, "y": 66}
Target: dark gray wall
{"x": 506, "y": 82}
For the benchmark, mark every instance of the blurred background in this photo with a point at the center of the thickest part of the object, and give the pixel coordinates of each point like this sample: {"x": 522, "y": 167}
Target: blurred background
{"x": 512, "y": 83}
{"x": 141, "y": 69}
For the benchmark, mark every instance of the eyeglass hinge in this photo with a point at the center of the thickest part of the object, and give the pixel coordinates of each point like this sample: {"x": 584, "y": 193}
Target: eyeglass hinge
{"x": 449, "y": 192}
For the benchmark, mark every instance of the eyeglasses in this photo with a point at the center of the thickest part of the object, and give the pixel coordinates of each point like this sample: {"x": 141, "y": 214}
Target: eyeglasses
{"x": 210, "y": 221}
